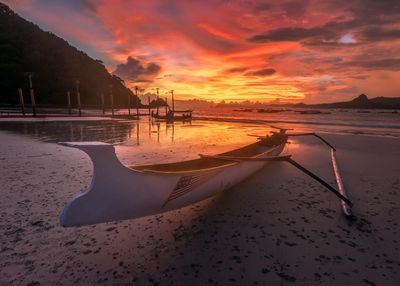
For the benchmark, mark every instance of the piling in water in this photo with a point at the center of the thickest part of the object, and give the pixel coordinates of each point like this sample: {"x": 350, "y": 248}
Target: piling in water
{"x": 102, "y": 103}
{"x": 69, "y": 102}
{"x": 137, "y": 102}
{"x": 78, "y": 98}
{"x": 148, "y": 102}
{"x": 129, "y": 104}
{"x": 33, "y": 102}
{"x": 21, "y": 101}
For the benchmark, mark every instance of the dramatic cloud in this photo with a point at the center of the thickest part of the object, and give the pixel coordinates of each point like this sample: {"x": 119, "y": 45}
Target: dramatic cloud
{"x": 290, "y": 34}
{"x": 379, "y": 34}
{"x": 262, "y": 72}
{"x": 324, "y": 50}
{"x": 135, "y": 71}
{"x": 382, "y": 64}
{"x": 235, "y": 70}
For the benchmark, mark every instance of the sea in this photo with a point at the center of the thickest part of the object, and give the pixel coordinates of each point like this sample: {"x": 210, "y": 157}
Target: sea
{"x": 213, "y": 130}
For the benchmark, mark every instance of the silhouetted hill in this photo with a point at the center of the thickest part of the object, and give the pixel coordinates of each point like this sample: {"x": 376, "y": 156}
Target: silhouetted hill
{"x": 56, "y": 65}
{"x": 361, "y": 101}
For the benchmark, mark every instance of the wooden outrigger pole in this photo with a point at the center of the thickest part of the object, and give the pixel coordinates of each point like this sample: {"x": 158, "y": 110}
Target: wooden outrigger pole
{"x": 288, "y": 159}
{"x": 346, "y": 204}
{"x": 345, "y": 207}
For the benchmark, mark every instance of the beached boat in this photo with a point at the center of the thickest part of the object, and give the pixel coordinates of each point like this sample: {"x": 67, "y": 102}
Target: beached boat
{"x": 119, "y": 192}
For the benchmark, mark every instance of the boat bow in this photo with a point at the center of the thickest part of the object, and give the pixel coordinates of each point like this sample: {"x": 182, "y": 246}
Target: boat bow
{"x": 116, "y": 192}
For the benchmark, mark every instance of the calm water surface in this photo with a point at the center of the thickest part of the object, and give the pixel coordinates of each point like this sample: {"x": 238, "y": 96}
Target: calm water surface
{"x": 220, "y": 130}
{"x": 144, "y": 141}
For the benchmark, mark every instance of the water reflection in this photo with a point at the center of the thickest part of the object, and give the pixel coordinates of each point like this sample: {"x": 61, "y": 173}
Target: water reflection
{"x": 110, "y": 131}
{"x": 144, "y": 140}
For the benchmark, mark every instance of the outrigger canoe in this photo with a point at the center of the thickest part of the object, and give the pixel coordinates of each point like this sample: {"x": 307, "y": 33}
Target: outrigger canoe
{"x": 119, "y": 192}
{"x": 185, "y": 115}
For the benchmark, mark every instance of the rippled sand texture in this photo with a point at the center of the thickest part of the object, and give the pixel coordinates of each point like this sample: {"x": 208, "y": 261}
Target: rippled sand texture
{"x": 276, "y": 228}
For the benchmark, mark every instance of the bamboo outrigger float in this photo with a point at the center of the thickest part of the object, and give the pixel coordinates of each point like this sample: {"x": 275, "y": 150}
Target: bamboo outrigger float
{"x": 119, "y": 192}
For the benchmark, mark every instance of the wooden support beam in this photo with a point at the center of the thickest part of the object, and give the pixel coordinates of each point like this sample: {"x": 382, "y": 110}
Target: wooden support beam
{"x": 78, "y": 98}
{"x": 137, "y": 102}
{"x": 21, "y": 101}
{"x": 129, "y": 104}
{"x": 33, "y": 101}
{"x": 148, "y": 101}
{"x": 102, "y": 103}
{"x": 157, "y": 99}
{"x": 69, "y": 102}
{"x": 111, "y": 101}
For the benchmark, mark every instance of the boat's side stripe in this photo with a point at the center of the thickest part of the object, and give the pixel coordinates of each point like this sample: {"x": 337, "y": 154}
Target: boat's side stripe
{"x": 188, "y": 182}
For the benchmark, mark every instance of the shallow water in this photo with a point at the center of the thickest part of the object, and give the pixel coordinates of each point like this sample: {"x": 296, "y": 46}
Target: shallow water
{"x": 145, "y": 141}
{"x": 353, "y": 121}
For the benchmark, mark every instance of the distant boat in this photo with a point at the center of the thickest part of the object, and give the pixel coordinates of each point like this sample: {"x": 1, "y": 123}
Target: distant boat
{"x": 312, "y": 112}
{"x": 389, "y": 112}
{"x": 270, "y": 110}
{"x": 185, "y": 115}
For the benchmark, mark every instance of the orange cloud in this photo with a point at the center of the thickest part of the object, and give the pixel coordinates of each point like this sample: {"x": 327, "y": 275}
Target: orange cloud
{"x": 215, "y": 31}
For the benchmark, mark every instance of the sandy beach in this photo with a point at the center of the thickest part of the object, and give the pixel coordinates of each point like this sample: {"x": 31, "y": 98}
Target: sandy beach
{"x": 278, "y": 227}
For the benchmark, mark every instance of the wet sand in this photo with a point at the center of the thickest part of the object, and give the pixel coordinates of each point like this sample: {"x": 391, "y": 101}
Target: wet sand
{"x": 278, "y": 227}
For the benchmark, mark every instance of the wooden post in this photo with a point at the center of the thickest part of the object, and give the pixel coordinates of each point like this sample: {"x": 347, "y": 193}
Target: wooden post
{"x": 102, "y": 103}
{"x": 21, "y": 100}
{"x": 157, "y": 100}
{"x": 112, "y": 101}
{"x": 33, "y": 102}
{"x": 137, "y": 133}
{"x": 129, "y": 103}
{"x": 78, "y": 98}
{"x": 137, "y": 102}
{"x": 166, "y": 106}
{"x": 69, "y": 102}
{"x": 32, "y": 94}
{"x": 148, "y": 100}
{"x": 173, "y": 102}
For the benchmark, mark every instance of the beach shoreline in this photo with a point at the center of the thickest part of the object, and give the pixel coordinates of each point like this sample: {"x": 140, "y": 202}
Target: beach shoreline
{"x": 277, "y": 227}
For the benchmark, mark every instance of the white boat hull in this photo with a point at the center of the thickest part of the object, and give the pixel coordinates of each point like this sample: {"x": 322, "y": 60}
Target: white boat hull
{"x": 118, "y": 192}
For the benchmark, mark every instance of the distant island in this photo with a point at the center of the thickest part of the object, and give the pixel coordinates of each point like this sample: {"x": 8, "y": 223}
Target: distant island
{"x": 55, "y": 64}
{"x": 360, "y": 102}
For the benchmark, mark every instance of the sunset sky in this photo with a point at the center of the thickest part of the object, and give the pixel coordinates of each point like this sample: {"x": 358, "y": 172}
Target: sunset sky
{"x": 298, "y": 50}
